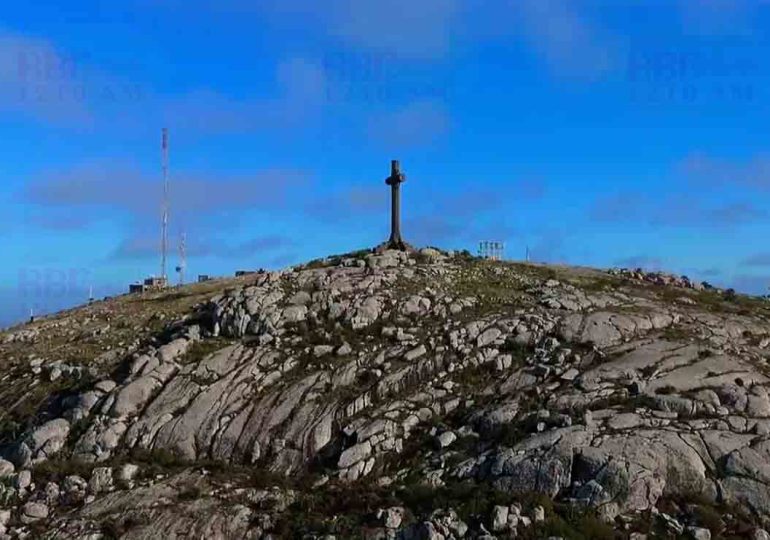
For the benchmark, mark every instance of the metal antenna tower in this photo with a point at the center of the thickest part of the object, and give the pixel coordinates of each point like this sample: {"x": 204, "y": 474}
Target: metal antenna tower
{"x": 182, "y": 257}
{"x": 165, "y": 205}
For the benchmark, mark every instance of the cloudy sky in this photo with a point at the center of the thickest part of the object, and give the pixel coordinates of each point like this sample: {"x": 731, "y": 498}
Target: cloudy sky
{"x": 592, "y": 132}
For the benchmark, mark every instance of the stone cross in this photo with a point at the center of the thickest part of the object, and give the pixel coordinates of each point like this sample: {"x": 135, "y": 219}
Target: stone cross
{"x": 394, "y": 181}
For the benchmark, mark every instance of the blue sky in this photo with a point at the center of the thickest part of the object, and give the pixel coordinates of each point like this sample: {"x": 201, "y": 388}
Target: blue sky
{"x": 597, "y": 133}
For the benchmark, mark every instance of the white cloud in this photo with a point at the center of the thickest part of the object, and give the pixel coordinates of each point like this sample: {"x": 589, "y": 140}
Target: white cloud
{"x": 147, "y": 247}
{"x": 418, "y": 124}
{"x": 645, "y": 262}
{"x": 704, "y": 169}
{"x": 718, "y": 17}
{"x": 407, "y": 28}
{"x": 123, "y": 188}
{"x": 674, "y": 210}
{"x": 39, "y": 80}
{"x": 298, "y": 99}
{"x": 565, "y": 39}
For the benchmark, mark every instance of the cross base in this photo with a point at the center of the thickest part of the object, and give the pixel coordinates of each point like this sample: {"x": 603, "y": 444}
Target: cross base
{"x": 398, "y": 245}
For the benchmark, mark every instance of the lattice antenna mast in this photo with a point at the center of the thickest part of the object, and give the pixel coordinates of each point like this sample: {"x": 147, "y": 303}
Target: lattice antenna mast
{"x": 165, "y": 204}
{"x": 182, "y": 257}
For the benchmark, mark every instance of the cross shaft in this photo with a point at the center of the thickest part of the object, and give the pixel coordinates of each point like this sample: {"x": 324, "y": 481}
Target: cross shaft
{"x": 395, "y": 180}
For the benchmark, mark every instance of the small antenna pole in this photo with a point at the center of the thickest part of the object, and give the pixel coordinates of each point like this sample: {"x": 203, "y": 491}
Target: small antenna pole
{"x": 182, "y": 257}
{"x": 165, "y": 204}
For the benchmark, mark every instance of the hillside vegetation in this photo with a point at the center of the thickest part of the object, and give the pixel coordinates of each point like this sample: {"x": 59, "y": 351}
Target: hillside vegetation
{"x": 428, "y": 395}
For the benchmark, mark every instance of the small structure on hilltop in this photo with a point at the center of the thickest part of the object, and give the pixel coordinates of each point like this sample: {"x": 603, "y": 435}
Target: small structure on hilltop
{"x": 494, "y": 251}
{"x": 395, "y": 180}
{"x": 241, "y": 273}
{"x": 150, "y": 284}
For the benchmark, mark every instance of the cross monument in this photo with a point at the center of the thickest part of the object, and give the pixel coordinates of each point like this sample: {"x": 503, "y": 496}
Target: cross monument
{"x": 395, "y": 180}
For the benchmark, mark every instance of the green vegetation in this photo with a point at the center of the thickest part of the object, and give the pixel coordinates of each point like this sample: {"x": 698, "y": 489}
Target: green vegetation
{"x": 336, "y": 260}
{"x": 476, "y": 377}
{"x": 571, "y": 523}
{"x": 201, "y": 349}
{"x": 192, "y": 492}
{"x": 725, "y": 521}
{"x": 492, "y": 283}
{"x": 518, "y": 351}
{"x": 466, "y": 256}
{"x": 335, "y": 509}
{"x": 666, "y": 390}
{"x": 602, "y": 284}
{"x": 116, "y": 528}
{"x": 77, "y": 430}
{"x": 33, "y": 403}
{"x": 55, "y": 470}
{"x": 675, "y": 333}
{"x": 347, "y": 510}
{"x": 511, "y": 433}
{"x": 8, "y": 493}
{"x": 470, "y": 500}
{"x": 715, "y": 301}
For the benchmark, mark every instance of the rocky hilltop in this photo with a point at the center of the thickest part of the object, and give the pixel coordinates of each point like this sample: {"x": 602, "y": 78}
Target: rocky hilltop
{"x": 428, "y": 395}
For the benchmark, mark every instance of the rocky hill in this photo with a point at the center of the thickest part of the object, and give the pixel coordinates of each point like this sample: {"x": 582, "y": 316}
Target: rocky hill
{"x": 431, "y": 395}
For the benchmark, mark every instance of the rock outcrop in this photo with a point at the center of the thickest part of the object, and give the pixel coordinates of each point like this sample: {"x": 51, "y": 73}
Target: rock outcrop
{"x": 639, "y": 402}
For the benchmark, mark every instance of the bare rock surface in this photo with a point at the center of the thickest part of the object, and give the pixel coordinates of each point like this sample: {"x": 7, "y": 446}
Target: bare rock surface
{"x": 375, "y": 392}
